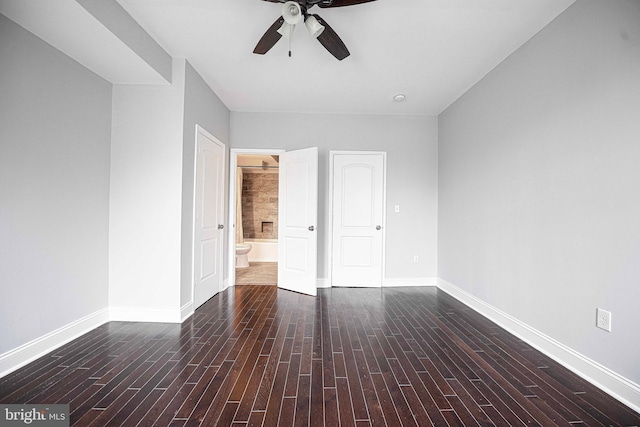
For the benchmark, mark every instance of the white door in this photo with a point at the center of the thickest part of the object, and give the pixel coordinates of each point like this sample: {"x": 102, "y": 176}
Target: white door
{"x": 297, "y": 221}
{"x": 358, "y": 214}
{"x": 208, "y": 229}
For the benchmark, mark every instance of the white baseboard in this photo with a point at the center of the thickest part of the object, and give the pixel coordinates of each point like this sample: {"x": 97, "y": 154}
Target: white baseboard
{"x": 323, "y": 283}
{"x": 186, "y": 311}
{"x": 619, "y": 387}
{"x": 391, "y": 282}
{"x": 145, "y": 314}
{"x": 27, "y": 353}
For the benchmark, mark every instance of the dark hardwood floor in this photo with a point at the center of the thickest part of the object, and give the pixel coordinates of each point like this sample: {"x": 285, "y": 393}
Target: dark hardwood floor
{"x": 258, "y": 355}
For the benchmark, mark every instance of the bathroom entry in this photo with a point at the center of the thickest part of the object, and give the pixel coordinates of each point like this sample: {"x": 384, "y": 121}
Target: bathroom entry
{"x": 297, "y": 218}
{"x": 256, "y": 230}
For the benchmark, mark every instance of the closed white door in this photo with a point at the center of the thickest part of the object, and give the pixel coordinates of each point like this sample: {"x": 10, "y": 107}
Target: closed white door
{"x": 208, "y": 230}
{"x": 358, "y": 214}
{"x": 297, "y": 221}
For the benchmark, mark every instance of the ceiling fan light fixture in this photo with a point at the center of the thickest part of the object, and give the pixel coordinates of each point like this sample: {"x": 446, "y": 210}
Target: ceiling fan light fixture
{"x": 292, "y": 12}
{"x": 315, "y": 28}
{"x": 286, "y": 29}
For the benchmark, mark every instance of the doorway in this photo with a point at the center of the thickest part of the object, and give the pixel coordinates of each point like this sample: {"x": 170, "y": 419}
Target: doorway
{"x": 256, "y": 224}
{"x": 296, "y": 220}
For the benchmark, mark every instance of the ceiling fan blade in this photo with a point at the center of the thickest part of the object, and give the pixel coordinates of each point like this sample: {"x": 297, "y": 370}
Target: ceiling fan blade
{"x": 340, "y": 3}
{"x": 270, "y": 37}
{"x": 330, "y": 40}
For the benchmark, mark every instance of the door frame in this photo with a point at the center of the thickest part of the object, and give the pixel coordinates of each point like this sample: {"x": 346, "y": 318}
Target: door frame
{"x": 329, "y": 248}
{"x": 231, "y": 232}
{"x": 200, "y": 129}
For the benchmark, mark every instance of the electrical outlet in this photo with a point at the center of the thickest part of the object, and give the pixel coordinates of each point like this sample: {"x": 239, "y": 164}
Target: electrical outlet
{"x": 415, "y": 259}
{"x": 603, "y": 319}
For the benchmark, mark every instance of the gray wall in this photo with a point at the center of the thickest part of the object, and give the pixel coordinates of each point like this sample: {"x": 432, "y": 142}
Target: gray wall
{"x": 152, "y": 182}
{"x": 412, "y": 169}
{"x": 539, "y": 190}
{"x": 55, "y": 119}
{"x": 145, "y": 198}
{"x": 201, "y": 107}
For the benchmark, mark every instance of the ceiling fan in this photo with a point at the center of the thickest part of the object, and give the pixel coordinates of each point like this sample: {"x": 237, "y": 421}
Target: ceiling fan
{"x": 294, "y": 12}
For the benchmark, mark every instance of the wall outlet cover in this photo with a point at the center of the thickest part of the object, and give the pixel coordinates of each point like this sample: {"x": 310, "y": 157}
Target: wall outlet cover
{"x": 603, "y": 319}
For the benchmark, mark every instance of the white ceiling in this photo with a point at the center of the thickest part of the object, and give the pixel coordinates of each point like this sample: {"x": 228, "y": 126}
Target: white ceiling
{"x": 430, "y": 50}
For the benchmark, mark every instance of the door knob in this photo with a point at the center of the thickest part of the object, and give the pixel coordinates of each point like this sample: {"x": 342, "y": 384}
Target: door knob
{"x": 378, "y": 227}
{"x": 220, "y": 226}
{"x": 311, "y": 228}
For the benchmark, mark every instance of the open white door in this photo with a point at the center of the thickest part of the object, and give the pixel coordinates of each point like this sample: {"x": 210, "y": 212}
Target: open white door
{"x": 208, "y": 229}
{"x": 297, "y": 221}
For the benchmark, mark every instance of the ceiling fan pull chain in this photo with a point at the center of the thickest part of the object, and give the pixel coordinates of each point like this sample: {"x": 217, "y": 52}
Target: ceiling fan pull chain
{"x": 291, "y": 27}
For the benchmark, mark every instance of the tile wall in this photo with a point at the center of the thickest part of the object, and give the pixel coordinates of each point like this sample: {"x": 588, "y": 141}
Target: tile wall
{"x": 260, "y": 205}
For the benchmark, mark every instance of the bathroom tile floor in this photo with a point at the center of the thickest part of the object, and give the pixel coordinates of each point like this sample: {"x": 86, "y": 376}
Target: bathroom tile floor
{"x": 258, "y": 273}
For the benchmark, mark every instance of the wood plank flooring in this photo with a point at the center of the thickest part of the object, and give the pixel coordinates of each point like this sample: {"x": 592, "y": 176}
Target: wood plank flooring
{"x": 258, "y": 355}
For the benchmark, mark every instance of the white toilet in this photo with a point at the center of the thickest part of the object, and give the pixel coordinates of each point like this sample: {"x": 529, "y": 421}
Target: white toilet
{"x": 242, "y": 260}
